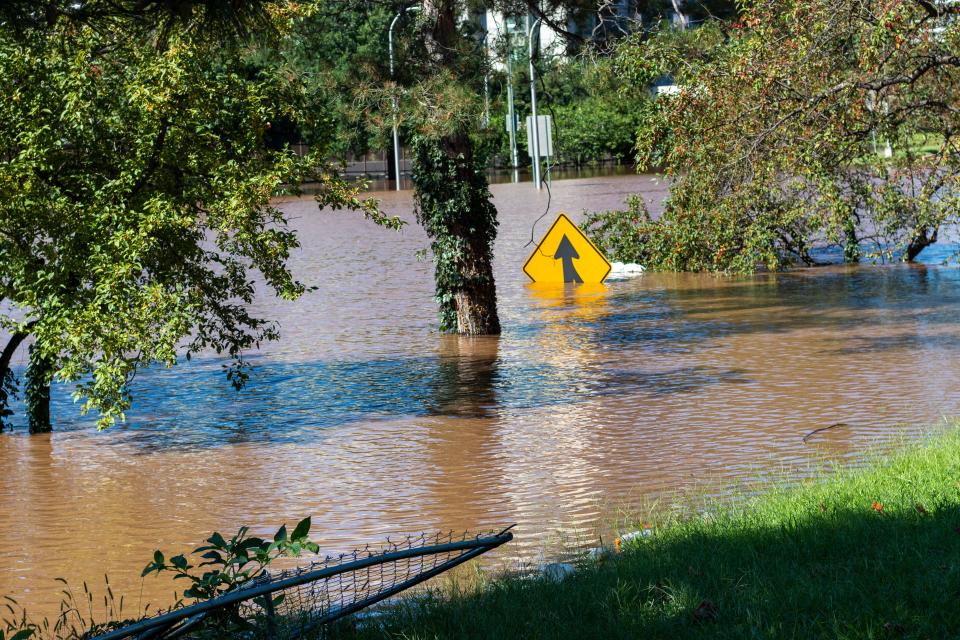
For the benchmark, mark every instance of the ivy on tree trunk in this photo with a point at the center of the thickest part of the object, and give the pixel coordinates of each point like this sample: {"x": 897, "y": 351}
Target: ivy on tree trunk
{"x": 452, "y": 195}
{"x": 453, "y": 205}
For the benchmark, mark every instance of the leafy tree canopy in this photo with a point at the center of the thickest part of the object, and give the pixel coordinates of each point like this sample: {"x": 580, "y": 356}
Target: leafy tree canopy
{"x": 136, "y": 178}
{"x": 804, "y": 124}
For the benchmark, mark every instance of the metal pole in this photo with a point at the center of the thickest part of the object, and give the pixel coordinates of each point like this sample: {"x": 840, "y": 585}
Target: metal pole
{"x": 511, "y": 113}
{"x": 533, "y": 102}
{"x": 683, "y": 18}
{"x": 486, "y": 78}
{"x": 396, "y": 106}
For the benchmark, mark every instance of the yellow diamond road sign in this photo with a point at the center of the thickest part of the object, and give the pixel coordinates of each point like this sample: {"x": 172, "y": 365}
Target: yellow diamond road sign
{"x": 564, "y": 255}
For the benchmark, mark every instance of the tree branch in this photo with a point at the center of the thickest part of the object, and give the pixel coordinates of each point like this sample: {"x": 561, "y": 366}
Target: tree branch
{"x": 15, "y": 341}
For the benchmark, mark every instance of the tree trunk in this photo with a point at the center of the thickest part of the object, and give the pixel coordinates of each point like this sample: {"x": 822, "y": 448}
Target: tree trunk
{"x": 851, "y": 245}
{"x": 474, "y": 228}
{"x": 919, "y": 242}
{"x": 7, "y": 382}
{"x": 38, "y": 391}
{"x": 454, "y": 207}
{"x": 476, "y": 305}
{"x": 454, "y": 202}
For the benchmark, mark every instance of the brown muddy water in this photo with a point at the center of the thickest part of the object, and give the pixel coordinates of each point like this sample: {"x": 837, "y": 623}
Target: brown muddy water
{"x": 367, "y": 419}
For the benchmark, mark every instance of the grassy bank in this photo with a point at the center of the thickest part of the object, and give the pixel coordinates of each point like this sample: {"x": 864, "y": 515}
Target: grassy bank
{"x": 864, "y": 553}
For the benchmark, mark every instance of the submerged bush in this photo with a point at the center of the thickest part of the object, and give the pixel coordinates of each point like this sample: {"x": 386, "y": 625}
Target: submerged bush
{"x": 630, "y": 235}
{"x": 805, "y": 124}
{"x": 622, "y": 235}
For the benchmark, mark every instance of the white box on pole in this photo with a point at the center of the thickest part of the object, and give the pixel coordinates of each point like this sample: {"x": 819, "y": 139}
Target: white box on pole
{"x": 545, "y": 137}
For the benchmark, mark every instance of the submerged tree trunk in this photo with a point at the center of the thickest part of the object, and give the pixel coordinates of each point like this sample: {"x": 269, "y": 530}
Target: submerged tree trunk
{"x": 453, "y": 198}
{"x": 920, "y": 241}
{"x": 851, "y": 245}
{"x": 453, "y": 205}
{"x": 37, "y": 391}
{"x": 8, "y": 385}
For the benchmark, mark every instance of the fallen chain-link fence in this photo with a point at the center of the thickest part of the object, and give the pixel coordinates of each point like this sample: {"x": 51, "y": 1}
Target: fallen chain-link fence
{"x": 299, "y": 602}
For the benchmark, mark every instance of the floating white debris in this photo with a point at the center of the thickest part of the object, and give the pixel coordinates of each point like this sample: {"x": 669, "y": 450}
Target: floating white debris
{"x": 633, "y": 535}
{"x": 624, "y": 270}
{"x": 600, "y": 553}
{"x": 558, "y": 571}
{"x": 369, "y": 616}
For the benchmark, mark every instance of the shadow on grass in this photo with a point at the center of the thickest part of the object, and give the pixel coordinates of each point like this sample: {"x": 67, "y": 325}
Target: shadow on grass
{"x": 829, "y": 574}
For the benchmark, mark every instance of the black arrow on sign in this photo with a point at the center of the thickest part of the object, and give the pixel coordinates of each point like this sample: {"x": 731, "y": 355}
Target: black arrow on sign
{"x": 567, "y": 253}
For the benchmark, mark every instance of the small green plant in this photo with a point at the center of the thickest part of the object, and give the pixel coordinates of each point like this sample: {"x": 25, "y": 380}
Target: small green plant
{"x": 224, "y": 565}
{"x": 232, "y": 562}
{"x": 81, "y": 615}
{"x": 14, "y": 624}
{"x": 15, "y": 627}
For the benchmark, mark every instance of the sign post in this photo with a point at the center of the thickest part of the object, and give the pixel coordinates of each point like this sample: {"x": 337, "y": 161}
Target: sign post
{"x": 540, "y": 140}
{"x": 535, "y": 154}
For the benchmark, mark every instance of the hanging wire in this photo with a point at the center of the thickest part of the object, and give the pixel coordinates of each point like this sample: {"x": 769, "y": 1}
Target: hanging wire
{"x": 553, "y": 163}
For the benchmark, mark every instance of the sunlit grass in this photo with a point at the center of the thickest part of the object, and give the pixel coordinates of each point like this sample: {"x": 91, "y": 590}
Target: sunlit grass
{"x": 871, "y": 552}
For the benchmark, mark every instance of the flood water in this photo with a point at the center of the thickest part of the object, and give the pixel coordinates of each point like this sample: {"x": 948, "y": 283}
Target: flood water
{"x": 367, "y": 419}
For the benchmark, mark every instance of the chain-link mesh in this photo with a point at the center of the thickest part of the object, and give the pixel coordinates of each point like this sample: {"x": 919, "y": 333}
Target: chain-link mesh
{"x": 306, "y": 607}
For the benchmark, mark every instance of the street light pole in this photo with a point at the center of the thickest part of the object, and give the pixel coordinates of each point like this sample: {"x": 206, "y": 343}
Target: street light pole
{"x": 683, "y": 18}
{"x": 486, "y": 77}
{"x": 533, "y": 101}
{"x": 396, "y": 106}
{"x": 511, "y": 112}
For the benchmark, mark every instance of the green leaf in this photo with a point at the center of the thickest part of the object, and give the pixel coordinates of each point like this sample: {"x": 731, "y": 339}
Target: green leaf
{"x": 302, "y": 529}
{"x": 281, "y": 535}
{"x": 158, "y": 557}
{"x": 239, "y": 559}
{"x": 249, "y": 543}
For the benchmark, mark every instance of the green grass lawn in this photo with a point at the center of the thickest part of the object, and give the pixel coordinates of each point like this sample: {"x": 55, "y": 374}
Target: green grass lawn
{"x": 863, "y": 553}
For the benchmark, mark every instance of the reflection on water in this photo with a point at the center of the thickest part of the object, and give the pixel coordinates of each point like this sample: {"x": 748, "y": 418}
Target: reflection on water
{"x": 467, "y": 380}
{"x": 368, "y": 420}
